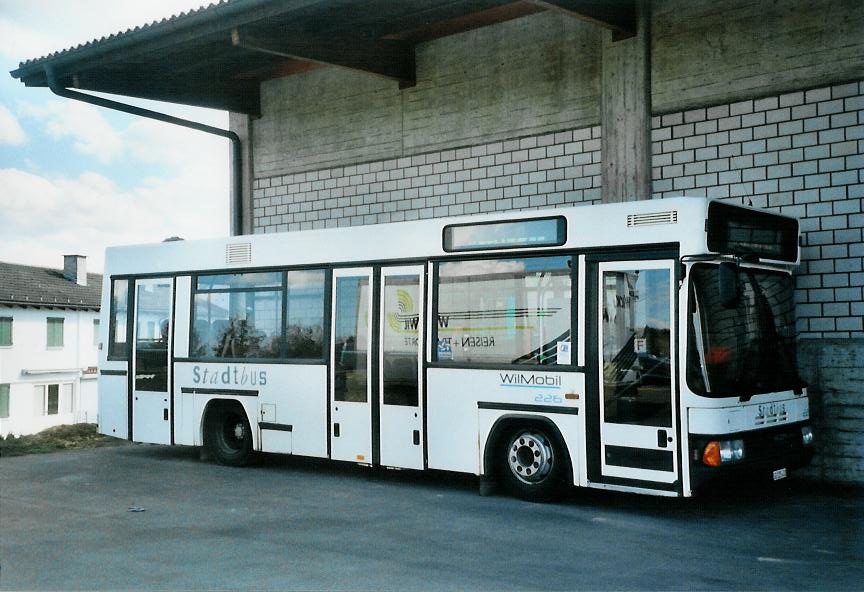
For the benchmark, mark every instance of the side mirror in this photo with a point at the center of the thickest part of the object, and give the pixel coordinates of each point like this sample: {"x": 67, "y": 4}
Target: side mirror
{"x": 728, "y": 284}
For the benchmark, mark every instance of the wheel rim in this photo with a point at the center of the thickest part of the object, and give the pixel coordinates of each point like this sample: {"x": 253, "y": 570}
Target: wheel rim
{"x": 530, "y": 457}
{"x": 235, "y": 432}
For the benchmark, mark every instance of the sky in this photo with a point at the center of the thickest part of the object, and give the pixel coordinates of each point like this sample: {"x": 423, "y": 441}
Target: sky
{"x": 75, "y": 178}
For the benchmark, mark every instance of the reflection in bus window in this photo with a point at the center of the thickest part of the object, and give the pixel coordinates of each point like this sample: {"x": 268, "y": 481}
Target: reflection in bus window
{"x": 119, "y": 306}
{"x": 400, "y": 346}
{"x": 503, "y": 311}
{"x": 305, "y": 316}
{"x": 152, "y": 314}
{"x": 636, "y": 348}
{"x": 235, "y": 318}
{"x": 351, "y": 343}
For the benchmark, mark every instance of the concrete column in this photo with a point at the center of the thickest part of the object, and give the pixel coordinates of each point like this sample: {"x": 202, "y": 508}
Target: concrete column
{"x": 241, "y": 124}
{"x": 626, "y": 112}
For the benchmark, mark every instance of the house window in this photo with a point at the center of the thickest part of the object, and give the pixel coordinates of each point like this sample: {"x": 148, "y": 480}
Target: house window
{"x": 52, "y": 402}
{"x": 4, "y": 401}
{"x": 96, "y": 332}
{"x": 53, "y": 399}
{"x": 55, "y": 332}
{"x": 5, "y": 331}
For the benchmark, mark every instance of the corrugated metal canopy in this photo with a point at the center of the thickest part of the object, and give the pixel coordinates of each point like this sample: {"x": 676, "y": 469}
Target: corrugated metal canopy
{"x": 217, "y": 56}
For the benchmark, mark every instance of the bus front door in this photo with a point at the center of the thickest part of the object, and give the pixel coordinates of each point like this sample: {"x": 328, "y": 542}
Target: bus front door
{"x": 151, "y": 407}
{"x": 400, "y": 367}
{"x": 351, "y": 366}
{"x": 634, "y": 317}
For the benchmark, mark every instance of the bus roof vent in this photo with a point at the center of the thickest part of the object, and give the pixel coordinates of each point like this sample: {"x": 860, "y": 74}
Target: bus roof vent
{"x": 238, "y": 253}
{"x": 670, "y": 217}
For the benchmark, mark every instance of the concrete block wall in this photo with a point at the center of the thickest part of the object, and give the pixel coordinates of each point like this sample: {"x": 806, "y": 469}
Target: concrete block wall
{"x": 833, "y": 370}
{"x": 531, "y": 172}
{"x": 798, "y": 153}
{"x": 491, "y": 84}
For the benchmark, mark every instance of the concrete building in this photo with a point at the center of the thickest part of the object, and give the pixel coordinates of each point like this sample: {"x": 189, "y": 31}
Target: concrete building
{"x": 49, "y": 332}
{"x": 348, "y": 112}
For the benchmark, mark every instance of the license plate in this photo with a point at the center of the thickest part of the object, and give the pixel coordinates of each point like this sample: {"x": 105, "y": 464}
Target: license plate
{"x": 779, "y": 474}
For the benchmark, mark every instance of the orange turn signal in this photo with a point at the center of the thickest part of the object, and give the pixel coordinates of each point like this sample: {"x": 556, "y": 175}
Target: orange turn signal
{"x": 711, "y": 456}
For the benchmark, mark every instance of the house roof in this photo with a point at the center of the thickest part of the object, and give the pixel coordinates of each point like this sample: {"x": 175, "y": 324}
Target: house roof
{"x": 218, "y": 55}
{"x": 24, "y": 285}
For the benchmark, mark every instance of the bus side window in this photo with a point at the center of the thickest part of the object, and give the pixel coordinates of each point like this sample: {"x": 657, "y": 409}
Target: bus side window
{"x": 117, "y": 340}
{"x": 503, "y": 311}
{"x": 305, "y": 316}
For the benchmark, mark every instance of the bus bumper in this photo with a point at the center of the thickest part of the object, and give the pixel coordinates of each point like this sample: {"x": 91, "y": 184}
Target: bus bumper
{"x": 767, "y": 452}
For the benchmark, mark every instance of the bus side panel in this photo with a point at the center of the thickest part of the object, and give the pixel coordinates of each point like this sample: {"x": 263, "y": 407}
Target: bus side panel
{"x": 286, "y": 394}
{"x": 451, "y": 420}
{"x": 455, "y": 397}
{"x": 114, "y": 404}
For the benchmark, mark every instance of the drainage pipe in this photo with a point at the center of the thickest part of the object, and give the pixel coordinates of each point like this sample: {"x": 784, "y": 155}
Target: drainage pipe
{"x": 236, "y": 145}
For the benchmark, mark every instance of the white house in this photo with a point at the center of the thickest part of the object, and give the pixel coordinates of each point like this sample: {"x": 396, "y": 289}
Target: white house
{"x": 49, "y": 339}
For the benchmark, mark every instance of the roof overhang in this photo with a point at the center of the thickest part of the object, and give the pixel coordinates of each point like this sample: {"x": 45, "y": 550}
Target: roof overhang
{"x": 217, "y": 56}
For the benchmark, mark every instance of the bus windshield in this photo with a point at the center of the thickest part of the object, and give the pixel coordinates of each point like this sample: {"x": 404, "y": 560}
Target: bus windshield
{"x": 747, "y": 348}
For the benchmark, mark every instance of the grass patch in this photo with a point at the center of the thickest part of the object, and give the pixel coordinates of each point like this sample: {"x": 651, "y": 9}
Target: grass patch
{"x": 64, "y": 437}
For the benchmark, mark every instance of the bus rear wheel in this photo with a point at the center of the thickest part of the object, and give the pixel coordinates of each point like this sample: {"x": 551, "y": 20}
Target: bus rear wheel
{"x": 532, "y": 465}
{"x": 227, "y": 435}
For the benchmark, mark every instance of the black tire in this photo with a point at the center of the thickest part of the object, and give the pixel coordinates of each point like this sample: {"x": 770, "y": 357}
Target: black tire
{"x": 531, "y": 463}
{"x": 227, "y": 435}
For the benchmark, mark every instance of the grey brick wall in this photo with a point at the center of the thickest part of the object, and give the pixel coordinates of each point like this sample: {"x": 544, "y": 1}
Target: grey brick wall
{"x": 531, "y": 172}
{"x": 800, "y": 154}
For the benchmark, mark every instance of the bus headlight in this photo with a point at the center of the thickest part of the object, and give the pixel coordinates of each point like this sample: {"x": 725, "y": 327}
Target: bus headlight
{"x": 731, "y": 450}
{"x": 806, "y": 435}
{"x": 721, "y": 452}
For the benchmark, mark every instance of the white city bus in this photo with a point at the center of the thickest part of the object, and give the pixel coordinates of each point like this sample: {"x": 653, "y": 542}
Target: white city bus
{"x": 642, "y": 346}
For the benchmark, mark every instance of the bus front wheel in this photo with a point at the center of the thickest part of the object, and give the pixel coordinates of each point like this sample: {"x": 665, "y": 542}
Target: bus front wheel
{"x": 227, "y": 435}
{"x": 532, "y": 463}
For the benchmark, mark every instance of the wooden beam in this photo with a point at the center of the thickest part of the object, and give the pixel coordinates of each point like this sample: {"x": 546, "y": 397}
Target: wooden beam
{"x": 619, "y": 16}
{"x": 386, "y": 58}
{"x": 227, "y": 95}
{"x": 467, "y": 22}
{"x": 285, "y": 67}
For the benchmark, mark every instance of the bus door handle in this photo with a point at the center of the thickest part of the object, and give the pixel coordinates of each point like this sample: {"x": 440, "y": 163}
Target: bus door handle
{"x": 663, "y": 438}
{"x": 335, "y": 430}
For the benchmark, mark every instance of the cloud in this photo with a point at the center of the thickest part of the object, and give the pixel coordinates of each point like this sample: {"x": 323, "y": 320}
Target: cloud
{"x": 10, "y": 131}
{"x": 143, "y": 140}
{"x": 154, "y": 142}
{"x": 91, "y": 134}
{"x": 21, "y": 43}
{"x": 44, "y": 218}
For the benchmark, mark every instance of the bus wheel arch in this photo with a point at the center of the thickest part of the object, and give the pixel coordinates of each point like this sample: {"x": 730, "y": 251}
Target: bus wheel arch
{"x": 529, "y": 434}
{"x": 226, "y": 432}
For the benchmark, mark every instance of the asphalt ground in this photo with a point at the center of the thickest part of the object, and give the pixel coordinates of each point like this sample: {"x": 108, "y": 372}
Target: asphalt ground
{"x": 311, "y": 525}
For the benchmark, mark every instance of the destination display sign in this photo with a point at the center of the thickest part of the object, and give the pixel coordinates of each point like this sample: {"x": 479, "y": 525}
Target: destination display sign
{"x": 746, "y": 232}
{"x": 537, "y": 232}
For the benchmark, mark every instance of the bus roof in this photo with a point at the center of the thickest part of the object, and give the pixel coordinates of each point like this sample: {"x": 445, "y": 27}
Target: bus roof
{"x": 678, "y": 220}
